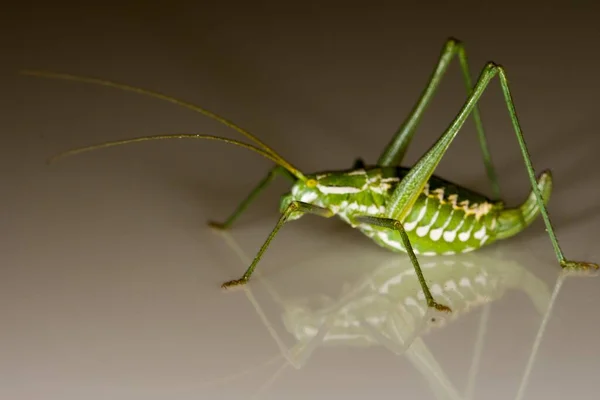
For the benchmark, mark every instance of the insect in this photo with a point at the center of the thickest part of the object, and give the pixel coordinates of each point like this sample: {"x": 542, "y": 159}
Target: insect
{"x": 402, "y": 209}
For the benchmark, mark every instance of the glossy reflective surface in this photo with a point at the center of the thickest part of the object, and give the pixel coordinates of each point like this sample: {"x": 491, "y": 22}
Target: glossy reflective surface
{"x": 109, "y": 279}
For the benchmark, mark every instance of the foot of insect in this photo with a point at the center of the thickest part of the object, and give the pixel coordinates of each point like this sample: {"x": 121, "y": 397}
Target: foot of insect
{"x": 234, "y": 283}
{"x": 439, "y": 307}
{"x": 579, "y": 265}
{"x": 218, "y": 225}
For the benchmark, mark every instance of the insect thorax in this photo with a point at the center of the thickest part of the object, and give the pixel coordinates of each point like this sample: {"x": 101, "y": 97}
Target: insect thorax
{"x": 445, "y": 219}
{"x": 346, "y": 192}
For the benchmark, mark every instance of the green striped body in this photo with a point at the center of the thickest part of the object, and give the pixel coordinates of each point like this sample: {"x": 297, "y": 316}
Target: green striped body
{"x": 445, "y": 219}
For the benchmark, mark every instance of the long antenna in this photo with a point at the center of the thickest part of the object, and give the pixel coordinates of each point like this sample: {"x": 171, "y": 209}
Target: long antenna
{"x": 263, "y": 153}
{"x": 151, "y": 93}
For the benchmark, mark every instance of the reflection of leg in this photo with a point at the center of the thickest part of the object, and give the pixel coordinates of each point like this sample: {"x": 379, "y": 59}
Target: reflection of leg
{"x": 421, "y": 358}
{"x": 300, "y": 352}
{"x": 538, "y": 338}
{"x": 295, "y": 207}
{"x": 397, "y": 226}
{"x": 406, "y": 341}
{"x": 514, "y": 276}
{"x": 298, "y": 355}
{"x": 236, "y": 375}
{"x": 402, "y": 328}
{"x": 269, "y": 382}
{"x": 474, "y": 369}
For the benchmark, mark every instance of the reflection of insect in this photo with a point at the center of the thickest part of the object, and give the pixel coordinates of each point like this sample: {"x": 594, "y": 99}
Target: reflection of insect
{"x": 385, "y": 307}
{"x": 401, "y": 209}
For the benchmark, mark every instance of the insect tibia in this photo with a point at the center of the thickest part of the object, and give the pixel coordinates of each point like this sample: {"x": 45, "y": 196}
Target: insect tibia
{"x": 513, "y": 220}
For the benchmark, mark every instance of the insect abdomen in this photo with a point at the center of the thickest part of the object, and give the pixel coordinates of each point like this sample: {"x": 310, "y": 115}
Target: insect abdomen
{"x": 442, "y": 223}
{"x": 439, "y": 225}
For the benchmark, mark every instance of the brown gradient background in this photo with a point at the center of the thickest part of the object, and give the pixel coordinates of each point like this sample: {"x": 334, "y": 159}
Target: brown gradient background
{"x": 109, "y": 279}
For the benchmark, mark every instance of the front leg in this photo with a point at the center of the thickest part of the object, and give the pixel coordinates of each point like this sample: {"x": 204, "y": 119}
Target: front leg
{"x": 276, "y": 170}
{"x": 397, "y": 226}
{"x": 295, "y": 209}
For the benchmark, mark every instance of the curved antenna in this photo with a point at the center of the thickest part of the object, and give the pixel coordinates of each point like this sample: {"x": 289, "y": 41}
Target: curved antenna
{"x": 151, "y": 93}
{"x": 263, "y": 153}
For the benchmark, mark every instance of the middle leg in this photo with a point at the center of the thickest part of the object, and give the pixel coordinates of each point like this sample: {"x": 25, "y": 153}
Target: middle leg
{"x": 397, "y": 226}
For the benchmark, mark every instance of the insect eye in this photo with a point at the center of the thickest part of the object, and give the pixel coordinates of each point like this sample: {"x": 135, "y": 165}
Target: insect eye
{"x": 311, "y": 183}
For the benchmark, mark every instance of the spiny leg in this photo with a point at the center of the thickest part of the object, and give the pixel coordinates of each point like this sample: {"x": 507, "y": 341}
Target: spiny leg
{"x": 273, "y": 172}
{"x": 396, "y": 149}
{"x": 424, "y": 361}
{"x": 474, "y": 369}
{"x": 295, "y": 210}
{"x": 547, "y": 314}
{"x": 421, "y": 358}
{"x": 297, "y": 355}
{"x": 407, "y": 191}
{"x": 397, "y": 226}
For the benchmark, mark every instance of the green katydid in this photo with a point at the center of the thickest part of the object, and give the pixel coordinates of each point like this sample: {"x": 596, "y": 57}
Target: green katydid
{"x": 402, "y": 209}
